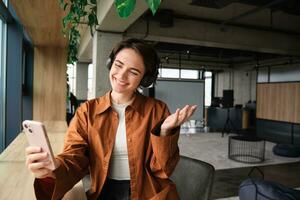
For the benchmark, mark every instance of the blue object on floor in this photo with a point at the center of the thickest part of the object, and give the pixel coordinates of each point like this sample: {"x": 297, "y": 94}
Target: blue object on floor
{"x": 258, "y": 189}
{"x": 287, "y": 150}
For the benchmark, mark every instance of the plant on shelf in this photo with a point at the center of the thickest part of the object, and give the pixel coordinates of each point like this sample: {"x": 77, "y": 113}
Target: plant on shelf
{"x": 85, "y": 12}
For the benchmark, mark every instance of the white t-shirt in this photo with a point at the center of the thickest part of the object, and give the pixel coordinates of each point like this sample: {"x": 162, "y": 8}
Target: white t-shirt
{"x": 119, "y": 165}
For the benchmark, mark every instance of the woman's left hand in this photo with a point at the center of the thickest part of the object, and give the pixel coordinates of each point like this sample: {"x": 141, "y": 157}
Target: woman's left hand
{"x": 176, "y": 119}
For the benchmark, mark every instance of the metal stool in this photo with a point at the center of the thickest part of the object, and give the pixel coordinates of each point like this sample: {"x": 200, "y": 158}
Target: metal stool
{"x": 246, "y": 149}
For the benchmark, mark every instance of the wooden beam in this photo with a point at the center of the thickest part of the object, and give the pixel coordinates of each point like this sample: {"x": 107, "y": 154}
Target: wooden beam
{"x": 42, "y": 21}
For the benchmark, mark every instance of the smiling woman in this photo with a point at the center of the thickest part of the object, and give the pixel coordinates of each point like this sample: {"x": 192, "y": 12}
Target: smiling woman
{"x": 126, "y": 141}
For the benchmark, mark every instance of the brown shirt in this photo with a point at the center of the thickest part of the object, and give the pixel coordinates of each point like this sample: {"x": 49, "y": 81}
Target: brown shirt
{"x": 89, "y": 144}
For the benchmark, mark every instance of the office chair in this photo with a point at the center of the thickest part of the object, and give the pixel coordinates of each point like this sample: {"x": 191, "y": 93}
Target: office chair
{"x": 193, "y": 179}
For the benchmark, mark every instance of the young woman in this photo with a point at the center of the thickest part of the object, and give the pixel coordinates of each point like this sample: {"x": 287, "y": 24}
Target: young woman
{"x": 126, "y": 141}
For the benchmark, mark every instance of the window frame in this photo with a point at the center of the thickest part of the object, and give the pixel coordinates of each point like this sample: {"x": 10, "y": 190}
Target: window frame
{"x": 179, "y": 77}
{"x": 5, "y": 19}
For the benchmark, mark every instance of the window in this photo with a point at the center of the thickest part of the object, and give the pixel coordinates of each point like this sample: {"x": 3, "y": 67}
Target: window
{"x": 169, "y": 73}
{"x": 71, "y": 71}
{"x": 189, "y": 74}
{"x": 178, "y": 73}
{"x": 208, "y": 88}
{"x": 90, "y": 83}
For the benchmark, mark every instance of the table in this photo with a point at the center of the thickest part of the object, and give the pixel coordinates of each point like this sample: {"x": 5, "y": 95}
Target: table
{"x": 246, "y": 149}
{"x": 16, "y": 180}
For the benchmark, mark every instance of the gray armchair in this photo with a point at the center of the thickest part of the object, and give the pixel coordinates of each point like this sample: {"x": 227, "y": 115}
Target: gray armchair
{"x": 193, "y": 179}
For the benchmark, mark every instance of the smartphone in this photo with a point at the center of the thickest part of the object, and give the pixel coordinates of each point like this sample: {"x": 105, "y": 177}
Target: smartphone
{"x": 37, "y": 136}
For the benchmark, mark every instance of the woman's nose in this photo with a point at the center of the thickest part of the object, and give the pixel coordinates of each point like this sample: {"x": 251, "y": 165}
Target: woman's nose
{"x": 122, "y": 74}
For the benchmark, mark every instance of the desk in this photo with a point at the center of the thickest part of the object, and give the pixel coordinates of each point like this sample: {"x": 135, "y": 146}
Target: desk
{"x": 16, "y": 150}
{"x": 16, "y": 180}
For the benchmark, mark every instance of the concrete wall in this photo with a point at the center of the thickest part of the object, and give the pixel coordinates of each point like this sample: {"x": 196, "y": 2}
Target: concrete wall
{"x": 81, "y": 80}
{"x": 242, "y": 81}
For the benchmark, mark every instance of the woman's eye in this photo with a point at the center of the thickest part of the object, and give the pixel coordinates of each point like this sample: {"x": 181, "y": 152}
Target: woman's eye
{"x": 118, "y": 66}
{"x": 134, "y": 73}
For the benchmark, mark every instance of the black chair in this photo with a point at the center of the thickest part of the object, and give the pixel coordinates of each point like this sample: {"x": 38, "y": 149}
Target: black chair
{"x": 193, "y": 179}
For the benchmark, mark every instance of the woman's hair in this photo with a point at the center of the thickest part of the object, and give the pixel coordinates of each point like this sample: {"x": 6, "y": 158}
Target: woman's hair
{"x": 148, "y": 53}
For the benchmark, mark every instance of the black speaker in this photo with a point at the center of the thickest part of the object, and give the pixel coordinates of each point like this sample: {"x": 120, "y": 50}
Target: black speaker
{"x": 227, "y": 100}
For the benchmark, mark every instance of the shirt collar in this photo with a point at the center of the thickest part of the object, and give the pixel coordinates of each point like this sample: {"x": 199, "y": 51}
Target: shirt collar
{"x": 104, "y": 103}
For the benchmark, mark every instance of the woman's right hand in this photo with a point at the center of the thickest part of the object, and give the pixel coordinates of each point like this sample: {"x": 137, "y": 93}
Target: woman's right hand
{"x": 37, "y": 162}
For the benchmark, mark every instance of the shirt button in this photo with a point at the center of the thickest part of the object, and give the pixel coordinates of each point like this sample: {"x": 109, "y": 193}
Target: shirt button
{"x": 129, "y": 140}
{"x": 105, "y": 164}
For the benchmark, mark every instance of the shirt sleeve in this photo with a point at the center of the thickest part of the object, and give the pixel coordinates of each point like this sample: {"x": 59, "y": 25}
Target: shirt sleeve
{"x": 165, "y": 148}
{"x": 73, "y": 161}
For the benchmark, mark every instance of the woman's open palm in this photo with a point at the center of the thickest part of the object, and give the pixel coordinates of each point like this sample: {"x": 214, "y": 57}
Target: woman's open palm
{"x": 177, "y": 118}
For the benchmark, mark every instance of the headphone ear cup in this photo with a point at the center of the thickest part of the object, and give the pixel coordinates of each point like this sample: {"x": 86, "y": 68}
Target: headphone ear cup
{"x": 108, "y": 63}
{"x": 149, "y": 79}
{"x": 146, "y": 81}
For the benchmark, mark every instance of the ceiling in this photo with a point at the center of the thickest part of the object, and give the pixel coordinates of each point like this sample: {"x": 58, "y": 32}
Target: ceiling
{"x": 290, "y": 7}
{"x": 278, "y": 16}
{"x": 210, "y": 54}
{"x": 42, "y": 21}
{"x": 282, "y": 15}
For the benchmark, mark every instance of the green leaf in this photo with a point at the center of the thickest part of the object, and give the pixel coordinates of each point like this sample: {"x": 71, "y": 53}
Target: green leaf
{"x": 94, "y": 9}
{"x": 93, "y": 1}
{"x": 65, "y": 6}
{"x": 124, "y": 7}
{"x": 83, "y": 2}
{"x": 76, "y": 12}
{"x": 91, "y": 19}
{"x": 153, "y": 5}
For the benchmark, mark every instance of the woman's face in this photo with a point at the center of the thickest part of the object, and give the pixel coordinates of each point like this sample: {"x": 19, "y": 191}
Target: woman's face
{"x": 126, "y": 72}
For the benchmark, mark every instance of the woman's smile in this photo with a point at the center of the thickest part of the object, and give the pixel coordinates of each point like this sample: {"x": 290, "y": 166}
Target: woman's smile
{"x": 120, "y": 82}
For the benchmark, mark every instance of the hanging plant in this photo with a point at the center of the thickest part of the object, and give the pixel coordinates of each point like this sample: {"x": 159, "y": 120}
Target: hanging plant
{"x": 79, "y": 12}
{"x": 85, "y": 12}
{"x": 126, "y": 7}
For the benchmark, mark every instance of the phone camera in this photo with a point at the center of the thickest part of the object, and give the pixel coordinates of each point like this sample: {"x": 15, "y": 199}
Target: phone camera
{"x": 30, "y": 131}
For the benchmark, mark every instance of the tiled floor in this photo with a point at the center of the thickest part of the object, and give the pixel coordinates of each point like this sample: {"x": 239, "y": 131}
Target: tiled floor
{"x": 212, "y": 148}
